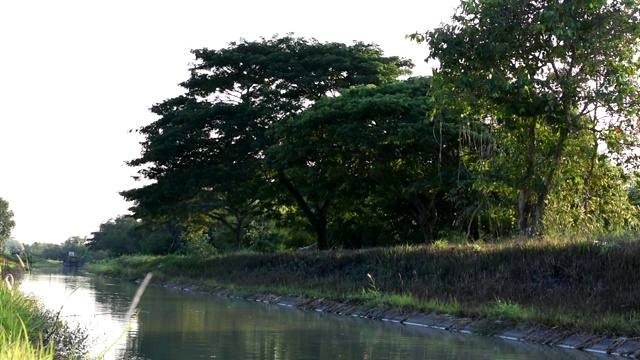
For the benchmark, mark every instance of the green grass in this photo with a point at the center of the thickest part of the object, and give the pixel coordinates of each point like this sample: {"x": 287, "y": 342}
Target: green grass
{"x": 505, "y": 310}
{"x": 22, "y": 325}
{"x": 19, "y": 347}
{"x": 27, "y": 331}
{"x": 589, "y": 283}
{"x": 45, "y": 264}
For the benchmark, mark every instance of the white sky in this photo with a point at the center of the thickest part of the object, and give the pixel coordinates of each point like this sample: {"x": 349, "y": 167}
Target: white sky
{"x": 76, "y": 76}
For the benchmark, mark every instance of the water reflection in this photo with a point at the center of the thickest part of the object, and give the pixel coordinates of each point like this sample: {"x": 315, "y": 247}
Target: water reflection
{"x": 88, "y": 303}
{"x": 178, "y": 325}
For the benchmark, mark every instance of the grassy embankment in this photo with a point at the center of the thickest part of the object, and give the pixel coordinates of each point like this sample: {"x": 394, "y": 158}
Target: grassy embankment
{"x": 577, "y": 286}
{"x": 23, "y": 328}
{"x": 27, "y": 330}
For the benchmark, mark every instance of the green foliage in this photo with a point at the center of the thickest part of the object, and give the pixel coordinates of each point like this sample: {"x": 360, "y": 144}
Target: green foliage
{"x": 541, "y": 73}
{"x": 594, "y": 202}
{"x": 19, "y": 347}
{"x": 371, "y": 288}
{"x": 126, "y": 235}
{"x": 506, "y": 310}
{"x": 206, "y": 151}
{"x": 117, "y": 236}
{"x": 16, "y": 342}
{"x": 38, "y": 250}
{"x": 199, "y": 247}
{"x": 76, "y": 245}
{"x": 570, "y": 283}
{"x": 633, "y": 190}
{"x": 377, "y": 162}
{"x": 440, "y": 243}
{"x": 13, "y": 246}
{"x": 47, "y": 251}
{"x": 161, "y": 236}
{"x": 6, "y": 221}
{"x": 523, "y": 129}
{"x": 29, "y": 332}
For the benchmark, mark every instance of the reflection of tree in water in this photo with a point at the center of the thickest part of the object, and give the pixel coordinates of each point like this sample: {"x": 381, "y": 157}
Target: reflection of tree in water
{"x": 182, "y": 325}
{"x": 179, "y": 325}
{"x": 113, "y": 295}
{"x": 131, "y": 347}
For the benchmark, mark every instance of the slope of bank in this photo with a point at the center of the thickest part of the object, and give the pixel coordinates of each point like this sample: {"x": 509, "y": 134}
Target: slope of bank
{"x": 544, "y": 292}
{"x": 27, "y": 330}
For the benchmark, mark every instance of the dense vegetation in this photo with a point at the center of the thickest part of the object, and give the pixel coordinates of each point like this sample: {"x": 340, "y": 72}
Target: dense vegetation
{"x": 27, "y": 330}
{"x": 528, "y": 127}
{"x": 6, "y": 221}
{"x": 580, "y": 286}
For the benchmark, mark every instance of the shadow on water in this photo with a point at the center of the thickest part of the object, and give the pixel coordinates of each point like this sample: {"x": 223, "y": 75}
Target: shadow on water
{"x": 174, "y": 324}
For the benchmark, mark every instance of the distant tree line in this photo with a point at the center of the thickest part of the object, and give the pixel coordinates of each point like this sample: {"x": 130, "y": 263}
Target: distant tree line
{"x": 58, "y": 252}
{"x": 528, "y": 127}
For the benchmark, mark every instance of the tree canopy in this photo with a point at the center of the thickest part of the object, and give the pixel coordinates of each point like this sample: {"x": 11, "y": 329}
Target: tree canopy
{"x": 540, "y": 73}
{"x": 118, "y": 236}
{"x": 6, "y": 221}
{"x": 206, "y": 150}
{"x": 529, "y": 124}
{"x": 372, "y": 150}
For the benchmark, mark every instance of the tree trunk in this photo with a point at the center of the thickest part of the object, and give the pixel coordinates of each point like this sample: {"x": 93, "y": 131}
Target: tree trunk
{"x": 523, "y": 212}
{"x": 525, "y": 226}
{"x": 531, "y": 204}
{"x": 321, "y": 234}
{"x": 236, "y": 228}
{"x": 317, "y": 219}
{"x": 426, "y": 216}
{"x": 238, "y": 231}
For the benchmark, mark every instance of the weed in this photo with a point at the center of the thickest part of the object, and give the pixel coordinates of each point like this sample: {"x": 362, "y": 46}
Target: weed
{"x": 506, "y": 310}
{"x": 20, "y": 347}
{"x": 17, "y": 314}
{"x": 440, "y": 243}
{"x": 450, "y": 307}
{"x": 372, "y": 285}
{"x": 401, "y": 301}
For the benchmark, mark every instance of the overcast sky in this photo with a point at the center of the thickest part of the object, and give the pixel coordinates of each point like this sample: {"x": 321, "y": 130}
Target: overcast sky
{"x": 76, "y": 76}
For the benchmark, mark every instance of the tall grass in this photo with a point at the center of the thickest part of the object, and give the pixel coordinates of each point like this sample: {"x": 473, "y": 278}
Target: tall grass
{"x": 578, "y": 283}
{"x": 27, "y": 330}
{"x": 20, "y": 347}
{"x": 17, "y": 314}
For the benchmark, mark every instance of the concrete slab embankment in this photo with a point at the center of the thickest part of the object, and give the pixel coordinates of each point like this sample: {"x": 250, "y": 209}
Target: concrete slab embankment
{"x": 620, "y": 346}
{"x": 623, "y": 347}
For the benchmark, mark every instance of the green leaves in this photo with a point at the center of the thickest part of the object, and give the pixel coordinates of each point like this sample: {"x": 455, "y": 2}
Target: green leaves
{"x": 206, "y": 151}
{"x": 116, "y": 236}
{"x": 373, "y": 150}
{"x": 536, "y": 71}
{"x": 6, "y": 221}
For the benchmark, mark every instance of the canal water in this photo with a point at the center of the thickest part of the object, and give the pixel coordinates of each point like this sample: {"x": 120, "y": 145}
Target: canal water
{"x": 173, "y": 324}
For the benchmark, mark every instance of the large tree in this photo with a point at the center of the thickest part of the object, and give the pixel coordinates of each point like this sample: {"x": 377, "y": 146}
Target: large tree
{"x": 207, "y": 147}
{"x": 374, "y": 153}
{"x": 539, "y": 72}
{"x": 6, "y": 221}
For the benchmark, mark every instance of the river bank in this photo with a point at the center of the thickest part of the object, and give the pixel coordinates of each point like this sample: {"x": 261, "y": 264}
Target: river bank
{"x": 27, "y": 330}
{"x": 617, "y": 346}
{"x": 578, "y": 295}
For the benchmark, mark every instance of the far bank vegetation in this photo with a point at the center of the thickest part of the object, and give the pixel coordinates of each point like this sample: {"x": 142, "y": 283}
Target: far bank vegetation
{"x": 504, "y": 183}
{"x": 528, "y": 127}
